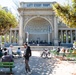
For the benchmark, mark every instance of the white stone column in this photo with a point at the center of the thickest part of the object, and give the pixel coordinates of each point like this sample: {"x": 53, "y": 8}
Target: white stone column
{"x": 71, "y": 36}
{"x": 61, "y": 36}
{"x": 15, "y": 37}
{"x": 75, "y": 34}
{"x": 24, "y": 39}
{"x": 48, "y": 38}
{"x": 5, "y": 37}
{"x": 1, "y": 41}
{"x": 0, "y": 38}
{"x": 21, "y": 30}
{"x": 27, "y": 40}
{"x": 10, "y": 35}
{"x": 66, "y": 37}
{"x": 55, "y": 32}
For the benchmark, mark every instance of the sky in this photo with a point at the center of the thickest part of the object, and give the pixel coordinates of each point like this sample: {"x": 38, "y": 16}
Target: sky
{"x": 9, "y": 2}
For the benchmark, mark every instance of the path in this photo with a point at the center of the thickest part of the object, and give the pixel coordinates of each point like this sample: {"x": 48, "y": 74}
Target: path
{"x": 42, "y": 66}
{"x": 38, "y": 65}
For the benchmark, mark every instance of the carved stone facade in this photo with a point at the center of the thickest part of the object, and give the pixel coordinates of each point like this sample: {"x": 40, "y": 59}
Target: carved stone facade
{"x": 38, "y": 23}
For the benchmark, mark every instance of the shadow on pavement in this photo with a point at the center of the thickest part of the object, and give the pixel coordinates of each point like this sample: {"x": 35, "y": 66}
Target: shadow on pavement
{"x": 38, "y": 65}
{"x": 6, "y": 73}
{"x": 42, "y": 66}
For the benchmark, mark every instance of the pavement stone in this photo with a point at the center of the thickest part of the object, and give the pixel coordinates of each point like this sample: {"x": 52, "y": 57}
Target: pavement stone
{"x": 41, "y": 66}
{"x": 38, "y": 65}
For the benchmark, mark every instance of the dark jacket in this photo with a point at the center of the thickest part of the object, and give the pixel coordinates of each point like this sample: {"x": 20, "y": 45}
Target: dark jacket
{"x": 7, "y": 58}
{"x": 28, "y": 52}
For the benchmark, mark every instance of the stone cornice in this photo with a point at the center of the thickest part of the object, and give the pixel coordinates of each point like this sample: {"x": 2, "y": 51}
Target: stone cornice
{"x": 67, "y": 28}
{"x": 40, "y": 12}
{"x": 40, "y": 2}
{"x": 25, "y": 9}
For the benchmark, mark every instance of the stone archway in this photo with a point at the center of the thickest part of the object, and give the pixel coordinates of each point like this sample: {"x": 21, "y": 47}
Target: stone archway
{"x": 38, "y": 30}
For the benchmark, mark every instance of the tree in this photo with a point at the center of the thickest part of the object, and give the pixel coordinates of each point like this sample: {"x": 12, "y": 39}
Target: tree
{"x": 7, "y": 20}
{"x": 67, "y": 13}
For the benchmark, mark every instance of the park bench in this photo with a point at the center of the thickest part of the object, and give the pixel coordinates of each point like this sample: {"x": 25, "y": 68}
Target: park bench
{"x": 7, "y": 65}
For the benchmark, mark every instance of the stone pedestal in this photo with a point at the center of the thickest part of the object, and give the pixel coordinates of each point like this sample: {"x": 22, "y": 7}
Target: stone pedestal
{"x": 55, "y": 42}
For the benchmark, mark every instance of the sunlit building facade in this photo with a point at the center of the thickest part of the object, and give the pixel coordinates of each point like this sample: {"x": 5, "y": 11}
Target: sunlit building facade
{"x": 39, "y": 25}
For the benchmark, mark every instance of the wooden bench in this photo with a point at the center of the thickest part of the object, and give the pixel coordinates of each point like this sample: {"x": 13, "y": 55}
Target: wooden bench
{"x": 7, "y": 65}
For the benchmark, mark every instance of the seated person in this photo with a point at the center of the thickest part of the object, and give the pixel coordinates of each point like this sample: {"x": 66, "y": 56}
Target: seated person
{"x": 4, "y": 50}
{"x": 7, "y": 58}
{"x": 1, "y": 54}
{"x": 67, "y": 52}
{"x": 62, "y": 51}
{"x": 58, "y": 50}
{"x": 19, "y": 51}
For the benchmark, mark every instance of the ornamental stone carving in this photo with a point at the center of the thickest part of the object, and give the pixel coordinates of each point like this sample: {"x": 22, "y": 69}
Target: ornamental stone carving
{"x": 29, "y": 18}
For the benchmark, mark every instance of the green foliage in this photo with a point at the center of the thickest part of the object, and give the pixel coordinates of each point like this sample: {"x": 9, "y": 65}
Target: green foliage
{"x": 74, "y": 43}
{"x": 7, "y": 20}
{"x": 66, "y": 13}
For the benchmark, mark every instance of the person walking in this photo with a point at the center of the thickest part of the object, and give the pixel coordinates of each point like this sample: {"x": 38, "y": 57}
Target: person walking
{"x": 27, "y": 54}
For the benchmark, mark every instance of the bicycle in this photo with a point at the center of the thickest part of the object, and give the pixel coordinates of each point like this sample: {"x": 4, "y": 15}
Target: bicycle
{"x": 46, "y": 54}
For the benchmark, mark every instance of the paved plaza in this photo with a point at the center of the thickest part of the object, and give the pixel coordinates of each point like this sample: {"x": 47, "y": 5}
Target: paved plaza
{"x": 40, "y": 66}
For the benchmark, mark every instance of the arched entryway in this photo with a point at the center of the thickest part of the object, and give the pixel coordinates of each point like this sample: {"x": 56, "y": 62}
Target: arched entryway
{"x": 38, "y": 31}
